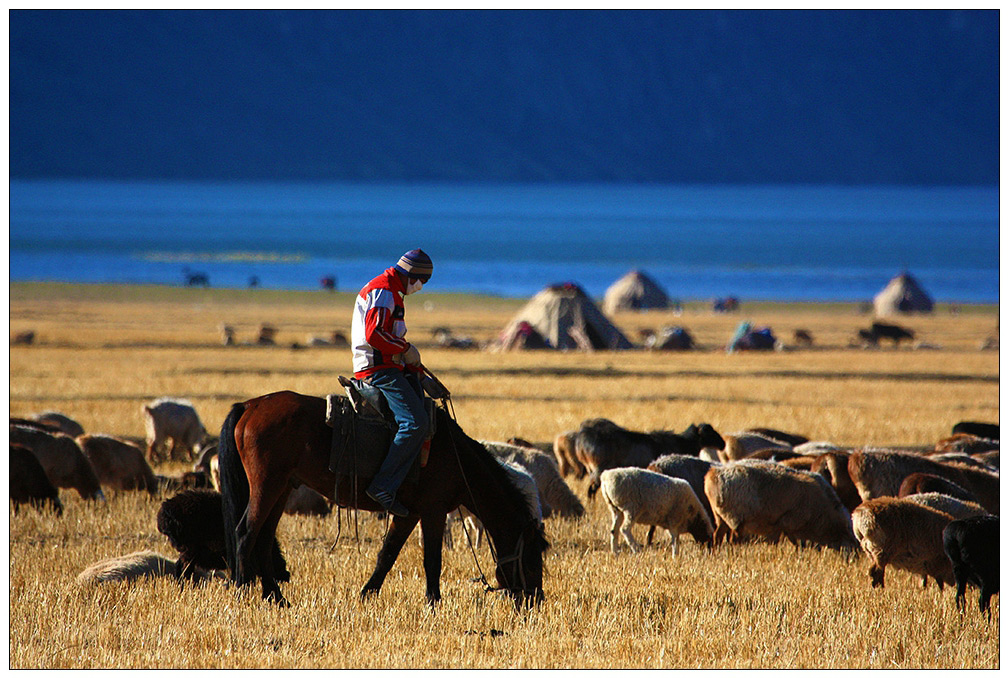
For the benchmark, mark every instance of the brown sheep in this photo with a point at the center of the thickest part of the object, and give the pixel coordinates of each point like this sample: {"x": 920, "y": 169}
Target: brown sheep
{"x": 919, "y": 483}
{"x": 743, "y": 444}
{"x": 832, "y": 466}
{"x": 879, "y": 473}
{"x": 119, "y": 464}
{"x": 62, "y": 458}
{"x": 966, "y": 443}
{"x": 563, "y": 450}
{"x": 904, "y": 534}
{"x": 175, "y": 420}
{"x": 29, "y": 483}
{"x": 60, "y": 421}
{"x": 772, "y": 501}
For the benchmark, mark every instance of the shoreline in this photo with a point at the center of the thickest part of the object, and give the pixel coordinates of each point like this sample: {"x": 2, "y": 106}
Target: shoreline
{"x": 151, "y": 293}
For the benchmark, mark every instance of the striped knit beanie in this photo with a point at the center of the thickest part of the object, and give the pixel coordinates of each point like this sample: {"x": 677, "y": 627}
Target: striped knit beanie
{"x": 417, "y": 264}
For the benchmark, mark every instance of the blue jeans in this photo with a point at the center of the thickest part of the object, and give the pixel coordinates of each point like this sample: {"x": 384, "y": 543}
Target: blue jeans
{"x": 405, "y": 398}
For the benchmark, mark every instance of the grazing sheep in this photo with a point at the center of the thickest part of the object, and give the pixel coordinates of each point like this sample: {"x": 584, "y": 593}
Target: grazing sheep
{"x": 555, "y": 495}
{"x": 636, "y": 495}
{"x": 193, "y": 521}
{"x": 118, "y": 464}
{"x": 832, "y": 466}
{"x": 601, "y": 444}
{"x": 904, "y": 534}
{"x": 919, "y": 483}
{"x": 563, "y": 450}
{"x": 176, "y": 420}
{"x": 974, "y": 549}
{"x": 956, "y": 508}
{"x": 524, "y": 481}
{"x": 690, "y": 469}
{"x": 60, "y": 421}
{"x": 744, "y": 444}
{"x": 772, "y": 501}
{"x": 792, "y": 439}
{"x": 29, "y": 483}
{"x": 304, "y": 501}
{"x": 879, "y": 473}
{"x": 64, "y": 463}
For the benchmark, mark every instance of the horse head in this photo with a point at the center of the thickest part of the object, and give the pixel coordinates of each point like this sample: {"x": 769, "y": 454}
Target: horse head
{"x": 520, "y": 573}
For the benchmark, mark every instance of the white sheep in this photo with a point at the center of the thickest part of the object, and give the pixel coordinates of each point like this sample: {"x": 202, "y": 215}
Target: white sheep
{"x": 636, "y": 495}
{"x": 555, "y": 496}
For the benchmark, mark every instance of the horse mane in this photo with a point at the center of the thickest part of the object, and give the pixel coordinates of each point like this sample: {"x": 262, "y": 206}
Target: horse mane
{"x": 486, "y": 460}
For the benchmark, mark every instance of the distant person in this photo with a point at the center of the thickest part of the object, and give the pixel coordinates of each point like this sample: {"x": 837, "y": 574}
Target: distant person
{"x": 383, "y": 358}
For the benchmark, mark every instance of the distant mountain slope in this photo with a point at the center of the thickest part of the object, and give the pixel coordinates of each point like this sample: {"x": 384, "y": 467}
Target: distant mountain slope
{"x": 741, "y": 97}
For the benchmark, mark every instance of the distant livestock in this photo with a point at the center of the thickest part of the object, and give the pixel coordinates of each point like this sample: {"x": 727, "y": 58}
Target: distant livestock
{"x": 554, "y": 493}
{"x": 636, "y": 495}
{"x": 973, "y": 546}
{"x": 904, "y": 534}
{"x": 118, "y": 464}
{"x": 194, "y": 524}
{"x": 174, "y": 420}
{"x": 64, "y": 463}
{"x": 29, "y": 483}
{"x": 601, "y": 444}
{"x": 769, "y": 500}
{"x": 60, "y": 421}
{"x": 919, "y": 483}
{"x": 878, "y": 331}
{"x": 879, "y": 473}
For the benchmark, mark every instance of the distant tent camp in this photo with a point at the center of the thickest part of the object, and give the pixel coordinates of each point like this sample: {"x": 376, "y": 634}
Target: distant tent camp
{"x": 634, "y": 291}
{"x": 561, "y": 317}
{"x": 902, "y": 295}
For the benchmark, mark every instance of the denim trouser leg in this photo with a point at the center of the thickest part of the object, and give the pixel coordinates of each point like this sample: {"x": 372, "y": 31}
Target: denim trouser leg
{"x": 406, "y": 403}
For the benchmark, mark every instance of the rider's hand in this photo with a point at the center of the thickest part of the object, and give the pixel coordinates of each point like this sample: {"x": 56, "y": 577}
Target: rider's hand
{"x": 411, "y": 356}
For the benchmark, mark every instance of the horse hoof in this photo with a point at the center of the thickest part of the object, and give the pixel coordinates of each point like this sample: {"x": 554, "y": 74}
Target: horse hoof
{"x": 368, "y": 593}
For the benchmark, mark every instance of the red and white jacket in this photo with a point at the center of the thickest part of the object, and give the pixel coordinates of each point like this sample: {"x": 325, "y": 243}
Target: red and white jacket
{"x": 378, "y": 329}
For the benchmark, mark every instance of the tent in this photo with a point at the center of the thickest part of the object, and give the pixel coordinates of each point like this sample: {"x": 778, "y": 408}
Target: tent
{"x": 563, "y": 317}
{"x": 902, "y": 295}
{"x": 634, "y": 291}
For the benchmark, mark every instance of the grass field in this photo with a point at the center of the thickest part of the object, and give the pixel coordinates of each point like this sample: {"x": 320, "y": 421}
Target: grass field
{"x": 102, "y": 351}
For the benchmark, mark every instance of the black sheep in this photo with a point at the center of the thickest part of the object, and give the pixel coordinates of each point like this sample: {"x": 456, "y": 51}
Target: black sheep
{"x": 974, "y": 547}
{"x": 29, "y": 483}
{"x": 979, "y": 429}
{"x": 194, "y": 524}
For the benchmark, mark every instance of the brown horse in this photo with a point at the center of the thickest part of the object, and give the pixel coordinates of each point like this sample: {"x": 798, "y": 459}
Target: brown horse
{"x": 272, "y": 441}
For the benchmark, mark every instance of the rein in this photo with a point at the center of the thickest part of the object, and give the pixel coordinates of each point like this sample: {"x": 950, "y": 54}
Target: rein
{"x": 519, "y": 553}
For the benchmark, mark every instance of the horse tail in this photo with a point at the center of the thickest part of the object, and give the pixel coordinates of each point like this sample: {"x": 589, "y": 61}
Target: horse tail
{"x": 234, "y": 486}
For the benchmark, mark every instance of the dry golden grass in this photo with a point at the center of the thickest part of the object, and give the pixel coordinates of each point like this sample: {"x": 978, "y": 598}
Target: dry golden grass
{"x": 101, "y": 352}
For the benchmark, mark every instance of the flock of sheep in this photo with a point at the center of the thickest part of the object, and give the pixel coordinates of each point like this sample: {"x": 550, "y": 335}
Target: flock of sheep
{"x": 931, "y": 512}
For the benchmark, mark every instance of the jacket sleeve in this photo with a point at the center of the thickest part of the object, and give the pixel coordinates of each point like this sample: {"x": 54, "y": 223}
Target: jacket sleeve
{"x": 377, "y": 331}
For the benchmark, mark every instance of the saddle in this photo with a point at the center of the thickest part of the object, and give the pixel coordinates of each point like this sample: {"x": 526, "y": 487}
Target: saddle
{"x": 363, "y": 428}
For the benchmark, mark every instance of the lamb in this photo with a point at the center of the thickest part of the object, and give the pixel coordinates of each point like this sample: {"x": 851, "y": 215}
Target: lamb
{"x": 563, "y": 450}
{"x": 973, "y": 547}
{"x": 904, "y": 534}
{"x": 601, "y": 444}
{"x": 118, "y": 464}
{"x": 176, "y": 420}
{"x": 554, "y": 494}
{"x": 64, "y": 463}
{"x": 29, "y": 483}
{"x": 771, "y": 500}
{"x": 131, "y": 567}
{"x": 193, "y": 521}
{"x": 637, "y": 495}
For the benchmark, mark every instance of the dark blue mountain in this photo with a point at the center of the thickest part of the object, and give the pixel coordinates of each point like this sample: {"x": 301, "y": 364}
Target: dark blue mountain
{"x": 852, "y": 97}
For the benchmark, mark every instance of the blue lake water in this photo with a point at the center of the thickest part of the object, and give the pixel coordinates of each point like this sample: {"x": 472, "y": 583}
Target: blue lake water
{"x": 786, "y": 243}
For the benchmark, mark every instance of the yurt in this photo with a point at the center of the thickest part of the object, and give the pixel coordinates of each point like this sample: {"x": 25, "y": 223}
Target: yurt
{"x": 902, "y": 295}
{"x": 563, "y": 317}
{"x": 634, "y": 292}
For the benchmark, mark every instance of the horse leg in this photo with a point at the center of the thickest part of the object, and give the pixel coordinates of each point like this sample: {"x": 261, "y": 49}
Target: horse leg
{"x": 396, "y": 537}
{"x": 433, "y": 527}
{"x": 262, "y": 503}
{"x": 264, "y": 553}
